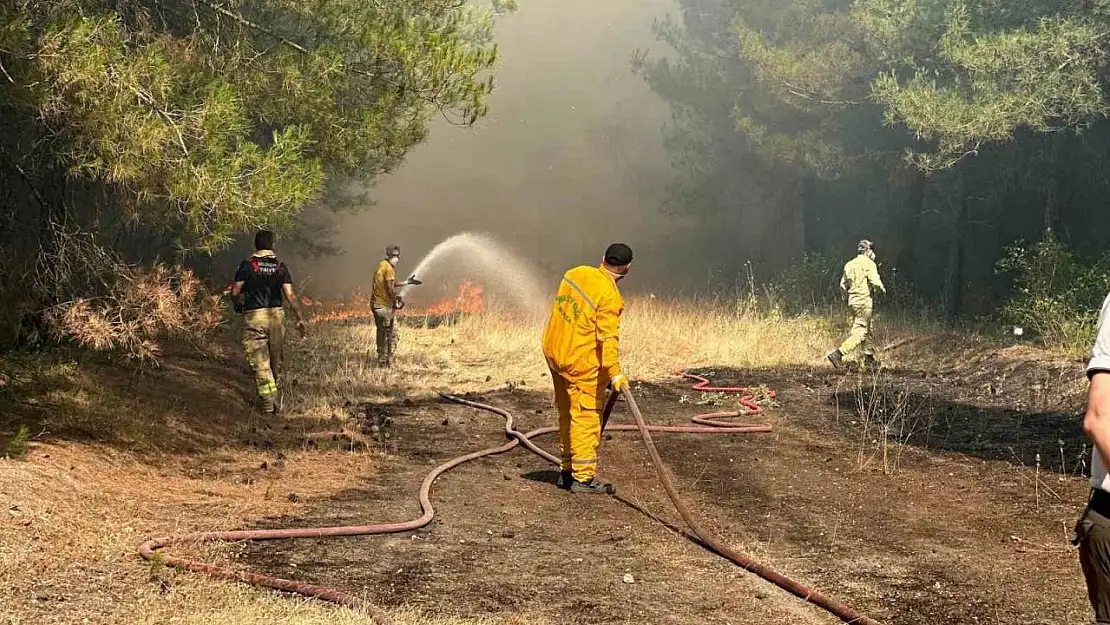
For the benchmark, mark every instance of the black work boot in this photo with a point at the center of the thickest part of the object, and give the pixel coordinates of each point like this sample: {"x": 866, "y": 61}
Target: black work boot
{"x": 267, "y": 405}
{"x": 564, "y": 480}
{"x": 836, "y": 358}
{"x": 870, "y": 363}
{"x": 593, "y": 487}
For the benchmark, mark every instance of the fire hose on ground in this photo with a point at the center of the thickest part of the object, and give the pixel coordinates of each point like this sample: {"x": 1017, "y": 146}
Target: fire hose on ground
{"x": 152, "y": 549}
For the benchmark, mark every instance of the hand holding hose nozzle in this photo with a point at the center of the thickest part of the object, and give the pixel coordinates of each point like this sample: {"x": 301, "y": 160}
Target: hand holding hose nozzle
{"x": 413, "y": 281}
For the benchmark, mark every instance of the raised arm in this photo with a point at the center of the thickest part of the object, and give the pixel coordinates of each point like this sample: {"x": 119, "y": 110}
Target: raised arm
{"x": 873, "y": 277}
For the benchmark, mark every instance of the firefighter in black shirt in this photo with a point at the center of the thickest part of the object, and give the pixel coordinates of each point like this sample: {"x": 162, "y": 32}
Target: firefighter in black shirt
{"x": 262, "y": 283}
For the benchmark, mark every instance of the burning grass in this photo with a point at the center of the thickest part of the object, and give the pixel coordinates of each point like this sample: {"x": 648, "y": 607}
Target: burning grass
{"x": 357, "y": 307}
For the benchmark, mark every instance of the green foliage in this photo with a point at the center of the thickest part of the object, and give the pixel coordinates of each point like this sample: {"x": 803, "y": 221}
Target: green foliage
{"x": 16, "y": 447}
{"x": 811, "y": 284}
{"x": 214, "y": 122}
{"x": 170, "y": 132}
{"x": 153, "y": 130}
{"x": 803, "y": 69}
{"x": 844, "y": 116}
{"x": 987, "y": 83}
{"x": 1056, "y": 294}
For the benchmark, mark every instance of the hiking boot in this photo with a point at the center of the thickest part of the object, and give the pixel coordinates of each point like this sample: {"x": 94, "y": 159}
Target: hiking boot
{"x": 870, "y": 363}
{"x": 836, "y": 358}
{"x": 267, "y": 405}
{"x": 564, "y": 480}
{"x": 593, "y": 487}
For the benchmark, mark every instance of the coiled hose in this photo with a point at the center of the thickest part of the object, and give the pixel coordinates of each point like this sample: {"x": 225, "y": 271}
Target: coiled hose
{"x": 151, "y": 550}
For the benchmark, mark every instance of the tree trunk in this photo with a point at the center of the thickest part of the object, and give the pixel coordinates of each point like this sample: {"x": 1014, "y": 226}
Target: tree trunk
{"x": 958, "y": 252}
{"x": 911, "y": 225}
{"x": 1055, "y": 187}
{"x": 810, "y": 220}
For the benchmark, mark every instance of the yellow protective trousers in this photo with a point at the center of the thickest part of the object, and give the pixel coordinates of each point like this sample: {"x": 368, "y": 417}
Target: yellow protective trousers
{"x": 263, "y": 342}
{"x": 580, "y": 401}
{"x": 860, "y": 334}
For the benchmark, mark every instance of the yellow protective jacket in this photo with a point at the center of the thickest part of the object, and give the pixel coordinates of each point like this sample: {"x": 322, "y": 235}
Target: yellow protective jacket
{"x": 384, "y": 278}
{"x": 860, "y": 276}
{"x": 582, "y": 338}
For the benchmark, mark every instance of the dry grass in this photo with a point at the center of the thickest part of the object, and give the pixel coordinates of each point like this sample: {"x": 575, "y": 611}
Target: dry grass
{"x": 72, "y": 512}
{"x": 658, "y": 339}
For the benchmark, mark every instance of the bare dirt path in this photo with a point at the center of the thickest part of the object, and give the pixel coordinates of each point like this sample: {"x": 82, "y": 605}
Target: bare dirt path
{"x": 940, "y": 537}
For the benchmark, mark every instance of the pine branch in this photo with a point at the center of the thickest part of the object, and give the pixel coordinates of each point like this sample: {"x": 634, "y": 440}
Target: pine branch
{"x": 260, "y": 28}
{"x": 6, "y": 74}
{"x": 814, "y": 97}
{"x": 165, "y": 115}
{"x": 432, "y": 100}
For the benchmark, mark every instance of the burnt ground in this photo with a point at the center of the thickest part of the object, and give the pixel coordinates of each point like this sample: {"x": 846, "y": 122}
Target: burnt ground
{"x": 959, "y": 523}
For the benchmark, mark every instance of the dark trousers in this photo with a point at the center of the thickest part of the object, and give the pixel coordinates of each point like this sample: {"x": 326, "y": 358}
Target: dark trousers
{"x": 1092, "y": 534}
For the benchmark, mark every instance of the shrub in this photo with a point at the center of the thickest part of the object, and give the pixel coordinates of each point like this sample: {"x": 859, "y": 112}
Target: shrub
{"x": 813, "y": 283}
{"x": 138, "y": 308}
{"x": 1056, "y": 295}
{"x": 16, "y": 447}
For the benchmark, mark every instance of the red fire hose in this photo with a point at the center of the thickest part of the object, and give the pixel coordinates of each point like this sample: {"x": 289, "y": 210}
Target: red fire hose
{"x": 151, "y": 549}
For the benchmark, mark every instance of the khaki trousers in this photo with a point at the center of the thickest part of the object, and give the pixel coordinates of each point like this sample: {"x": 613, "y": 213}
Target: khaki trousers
{"x": 384, "y": 319}
{"x": 263, "y": 343}
{"x": 860, "y": 334}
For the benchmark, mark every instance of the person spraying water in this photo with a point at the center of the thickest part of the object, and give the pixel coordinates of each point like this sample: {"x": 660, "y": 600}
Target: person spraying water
{"x": 386, "y": 301}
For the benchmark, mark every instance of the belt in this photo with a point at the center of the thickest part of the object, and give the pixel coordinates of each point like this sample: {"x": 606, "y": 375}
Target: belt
{"x": 1100, "y": 502}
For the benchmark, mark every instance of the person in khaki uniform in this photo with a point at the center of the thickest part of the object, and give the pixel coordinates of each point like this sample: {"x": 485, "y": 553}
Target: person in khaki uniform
{"x": 581, "y": 345}
{"x": 384, "y": 303}
{"x": 262, "y": 284}
{"x": 861, "y": 275}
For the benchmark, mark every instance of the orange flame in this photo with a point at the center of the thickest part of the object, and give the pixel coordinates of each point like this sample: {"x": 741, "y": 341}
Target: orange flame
{"x": 468, "y": 301}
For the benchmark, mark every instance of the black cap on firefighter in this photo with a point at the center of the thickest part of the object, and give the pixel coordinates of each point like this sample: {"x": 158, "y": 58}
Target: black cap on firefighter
{"x": 264, "y": 240}
{"x": 618, "y": 255}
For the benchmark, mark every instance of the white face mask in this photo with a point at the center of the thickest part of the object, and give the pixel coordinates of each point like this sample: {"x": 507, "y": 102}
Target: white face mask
{"x": 617, "y": 277}
{"x": 393, "y": 260}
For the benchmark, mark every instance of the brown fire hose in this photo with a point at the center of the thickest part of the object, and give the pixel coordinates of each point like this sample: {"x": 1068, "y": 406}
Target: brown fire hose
{"x": 151, "y": 549}
{"x": 712, "y": 542}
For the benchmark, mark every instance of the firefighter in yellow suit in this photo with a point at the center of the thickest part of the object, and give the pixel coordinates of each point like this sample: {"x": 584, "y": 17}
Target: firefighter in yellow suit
{"x": 581, "y": 345}
{"x": 861, "y": 276}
